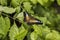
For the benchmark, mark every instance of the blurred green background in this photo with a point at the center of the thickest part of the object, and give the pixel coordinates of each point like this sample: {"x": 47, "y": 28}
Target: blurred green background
{"x": 12, "y": 26}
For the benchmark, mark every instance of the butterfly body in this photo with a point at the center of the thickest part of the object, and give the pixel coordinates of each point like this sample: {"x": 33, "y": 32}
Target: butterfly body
{"x": 30, "y": 20}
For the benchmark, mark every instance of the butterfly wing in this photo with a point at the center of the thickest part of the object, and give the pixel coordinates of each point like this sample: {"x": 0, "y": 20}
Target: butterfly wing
{"x": 30, "y": 20}
{"x": 34, "y": 21}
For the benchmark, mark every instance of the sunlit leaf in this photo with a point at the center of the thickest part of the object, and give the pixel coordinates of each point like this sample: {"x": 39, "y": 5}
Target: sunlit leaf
{"x": 22, "y": 33}
{"x": 34, "y": 1}
{"x": 53, "y": 36}
{"x": 58, "y": 1}
{"x": 1, "y": 8}
{"x": 20, "y": 16}
{"x": 27, "y": 6}
{"x": 4, "y": 26}
{"x": 3, "y": 2}
{"x": 8, "y": 10}
{"x": 45, "y": 3}
{"x": 38, "y": 29}
{"x": 13, "y": 32}
{"x": 7, "y": 23}
{"x": 18, "y": 9}
{"x": 15, "y": 3}
{"x": 33, "y": 36}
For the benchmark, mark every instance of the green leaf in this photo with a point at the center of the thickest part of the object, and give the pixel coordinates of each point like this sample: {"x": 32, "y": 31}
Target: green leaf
{"x": 20, "y": 16}
{"x": 44, "y": 20}
{"x": 27, "y": 6}
{"x": 34, "y": 1}
{"x": 58, "y": 16}
{"x": 41, "y": 31}
{"x": 3, "y": 2}
{"x": 33, "y": 36}
{"x": 38, "y": 29}
{"x": 15, "y": 3}
{"x": 58, "y": 1}
{"x": 13, "y": 32}
{"x": 16, "y": 33}
{"x": 4, "y": 26}
{"x": 7, "y": 23}
{"x": 8, "y": 10}
{"x": 22, "y": 33}
{"x": 53, "y": 36}
{"x": 39, "y": 11}
{"x": 45, "y": 31}
{"x": 40, "y": 1}
{"x": 18, "y": 9}
{"x": 1, "y": 8}
{"x": 45, "y": 3}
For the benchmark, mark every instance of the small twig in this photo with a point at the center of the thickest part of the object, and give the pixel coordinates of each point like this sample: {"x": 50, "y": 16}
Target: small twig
{"x": 9, "y": 16}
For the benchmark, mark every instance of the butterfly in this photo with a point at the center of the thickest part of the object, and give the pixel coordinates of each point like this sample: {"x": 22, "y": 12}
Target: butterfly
{"x": 31, "y": 20}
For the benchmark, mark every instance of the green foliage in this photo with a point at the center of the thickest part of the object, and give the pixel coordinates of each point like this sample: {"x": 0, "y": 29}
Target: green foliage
{"x": 13, "y": 33}
{"x": 17, "y": 34}
{"x": 4, "y": 26}
{"x": 34, "y": 1}
{"x": 53, "y": 36}
{"x": 29, "y": 6}
{"x": 45, "y": 33}
{"x": 7, "y": 10}
{"x": 22, "y": 33}
{"x": 1, "y": 8}
{"x": 45, "y": 2}
{"x": 13, "y": 27}
{"x": 58, "y": 1}
{"x": 20, "y": 16}
{"x": 3, "y": 2}
{"x": 34, "y": 36}
{"x": 15, "y": 3}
